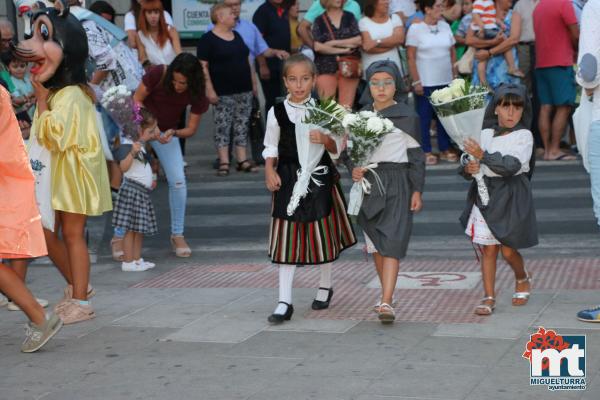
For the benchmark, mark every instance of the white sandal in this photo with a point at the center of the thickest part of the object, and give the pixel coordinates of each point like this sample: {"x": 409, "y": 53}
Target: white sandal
{"x": 386, "y": 314}
{"x": 522, "y": 295}
{"x": 486, "y": 309}
{"x": 378, "y": 304}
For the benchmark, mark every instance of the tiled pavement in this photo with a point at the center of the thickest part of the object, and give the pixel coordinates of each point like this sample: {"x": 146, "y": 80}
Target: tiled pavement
{"x": 197, "y": 328}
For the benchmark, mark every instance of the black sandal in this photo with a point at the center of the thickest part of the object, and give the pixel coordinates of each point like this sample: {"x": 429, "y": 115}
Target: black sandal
{"x": 246, "y": 166}
{"x": 223, "y": 169}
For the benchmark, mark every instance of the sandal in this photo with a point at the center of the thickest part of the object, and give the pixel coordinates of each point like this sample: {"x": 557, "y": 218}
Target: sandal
{"x": 246, "y": 166}
{"x": 448, "y": 156}
{"x": 223, "y": 169}
{"x": 180, "y": 247}
{"x": 116, "y": 246}
{"x": 386, "y": 313}
{"x": 521, "y": 298}
{"x": 486, "y": 309}
{"x": 430, "y": 159}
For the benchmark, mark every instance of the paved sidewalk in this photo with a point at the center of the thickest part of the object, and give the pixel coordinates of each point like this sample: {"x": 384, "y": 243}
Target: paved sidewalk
{"x": 192, "y": 330}
{"x": 197, "y": 329}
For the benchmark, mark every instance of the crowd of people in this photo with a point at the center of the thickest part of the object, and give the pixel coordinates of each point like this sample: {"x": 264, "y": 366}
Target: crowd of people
{"x": 386, "y": 56}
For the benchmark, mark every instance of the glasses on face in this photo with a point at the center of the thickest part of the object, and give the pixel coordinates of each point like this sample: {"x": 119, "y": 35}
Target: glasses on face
{"x": 381, "y": 84}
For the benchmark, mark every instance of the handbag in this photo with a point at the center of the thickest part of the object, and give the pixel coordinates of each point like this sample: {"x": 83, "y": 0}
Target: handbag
{"x": 582, "y": 121}
{"x": 349, "y": 67}
{"x": 41, "y": 159}
{"x": 465, "y": 64}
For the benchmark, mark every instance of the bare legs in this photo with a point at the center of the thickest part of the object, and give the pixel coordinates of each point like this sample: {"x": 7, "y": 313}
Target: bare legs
{"x": 70, "y": 254}
{"x": 387, "y": 270}
{"x": 552, "y": 129}
{"x": 488, "y": 269}
{"x": 13, "y": 286}
{"x": 132, "y": 246}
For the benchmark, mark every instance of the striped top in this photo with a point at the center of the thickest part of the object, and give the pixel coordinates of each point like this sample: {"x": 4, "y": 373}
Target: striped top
{"x": 487, "y": 11}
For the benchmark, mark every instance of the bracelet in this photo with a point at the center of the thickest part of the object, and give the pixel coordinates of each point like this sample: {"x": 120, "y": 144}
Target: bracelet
{"x": 415, "y": 83}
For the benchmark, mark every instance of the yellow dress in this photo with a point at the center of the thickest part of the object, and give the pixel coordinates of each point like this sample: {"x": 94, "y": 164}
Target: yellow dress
{"x": 68, "y": 129}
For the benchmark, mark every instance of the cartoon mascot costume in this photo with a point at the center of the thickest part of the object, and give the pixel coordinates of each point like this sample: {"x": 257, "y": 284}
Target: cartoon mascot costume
{"x": 66, "y": 150}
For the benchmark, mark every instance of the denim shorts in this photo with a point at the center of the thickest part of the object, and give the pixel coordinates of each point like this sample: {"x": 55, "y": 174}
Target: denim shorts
{"x": 556, "y": 86}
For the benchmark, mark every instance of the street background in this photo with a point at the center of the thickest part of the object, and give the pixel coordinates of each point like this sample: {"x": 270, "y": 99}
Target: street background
{"x": 196, "y": 328}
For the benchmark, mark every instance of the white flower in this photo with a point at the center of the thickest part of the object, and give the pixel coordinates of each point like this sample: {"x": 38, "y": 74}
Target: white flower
{"x": 389, "y": 125}
{"x": 458, "y": 82}
{"x": 350, "y": 119}
{"x": 442, "y": 95}
{"x": 375, "y": 124}
{"x": 367, "y": 114}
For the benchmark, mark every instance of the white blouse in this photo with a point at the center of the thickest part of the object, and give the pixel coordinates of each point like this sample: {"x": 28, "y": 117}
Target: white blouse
{"x": 296, "y": 113}
{"x": 157, "y": 55}
{"x": 518, "y": 144}
{"x": 393, "y": 148}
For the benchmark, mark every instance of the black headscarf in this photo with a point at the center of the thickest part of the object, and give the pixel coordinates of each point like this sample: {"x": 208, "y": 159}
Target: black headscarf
{"x": 491, "y": 119}
{"x": 402, "y": 114}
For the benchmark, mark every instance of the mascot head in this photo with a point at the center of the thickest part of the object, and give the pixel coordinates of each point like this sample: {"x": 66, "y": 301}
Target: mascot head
{"x": 57, "y": 47}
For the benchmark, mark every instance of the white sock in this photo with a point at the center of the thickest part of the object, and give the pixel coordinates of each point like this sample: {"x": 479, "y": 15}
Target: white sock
{"x": 325, "y": 282}
{"x": 286, "y": 281}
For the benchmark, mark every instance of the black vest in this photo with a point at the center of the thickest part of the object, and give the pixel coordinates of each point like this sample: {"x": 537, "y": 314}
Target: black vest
{"x": 317, "y": 203}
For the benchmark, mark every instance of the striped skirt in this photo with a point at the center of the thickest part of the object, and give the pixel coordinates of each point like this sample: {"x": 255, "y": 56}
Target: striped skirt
{"x": 310, "y": 243}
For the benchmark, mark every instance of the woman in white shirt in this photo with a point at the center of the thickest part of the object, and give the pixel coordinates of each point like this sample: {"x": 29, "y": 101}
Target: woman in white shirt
{"x": 131, "y": 18}
{"x": 158, "y": 42}
{"x": 381, "y": 33}
{"x": 431, "y": 56}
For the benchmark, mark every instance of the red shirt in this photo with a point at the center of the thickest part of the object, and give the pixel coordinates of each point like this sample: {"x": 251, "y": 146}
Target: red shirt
{"x": 168, "y": 107}
{"x": 551, "y": 20}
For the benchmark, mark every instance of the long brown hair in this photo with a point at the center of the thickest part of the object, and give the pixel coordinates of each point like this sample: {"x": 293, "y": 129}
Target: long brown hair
{"x": 142, "y": 23}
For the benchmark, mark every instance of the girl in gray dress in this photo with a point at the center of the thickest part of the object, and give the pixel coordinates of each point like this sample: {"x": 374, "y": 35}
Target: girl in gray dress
{"x": 386, "y": 215}
{"x": 507, "y": 223}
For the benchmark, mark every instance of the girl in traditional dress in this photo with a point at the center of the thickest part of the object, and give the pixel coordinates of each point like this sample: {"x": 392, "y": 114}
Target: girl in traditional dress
{"x": 319, "y": 229}
{"x": 386, "y": 215}
{"x": 508, "y": 222}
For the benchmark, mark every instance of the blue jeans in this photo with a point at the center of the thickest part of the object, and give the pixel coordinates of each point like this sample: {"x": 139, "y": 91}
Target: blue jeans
{"x": 594, "y": 160}
{"x": 426, "y": 114}
{"x": 171, "y": 160}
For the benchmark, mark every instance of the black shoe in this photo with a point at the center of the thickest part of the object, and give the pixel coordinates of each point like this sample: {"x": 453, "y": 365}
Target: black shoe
{"x": 279, "y": 318}
{"x": 321, "y": 305}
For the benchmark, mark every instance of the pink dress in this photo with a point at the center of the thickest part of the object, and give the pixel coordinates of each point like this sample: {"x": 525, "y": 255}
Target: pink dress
{"x": 21, "y": 234}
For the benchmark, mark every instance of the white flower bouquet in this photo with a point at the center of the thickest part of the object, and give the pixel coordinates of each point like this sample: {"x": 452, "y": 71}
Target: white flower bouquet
{"x": 325, "y": 115}
{"x": 366, "y": 130}
{"x": 461, "y": 110}
{"x": 119, "y": 104}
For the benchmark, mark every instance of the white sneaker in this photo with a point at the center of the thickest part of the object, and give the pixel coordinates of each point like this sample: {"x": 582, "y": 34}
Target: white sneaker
{"x": 3, "y": 301}
{"x": 14, "y": 307}
{"x": 147, "y": 264}
{"x": 133, "y": 267}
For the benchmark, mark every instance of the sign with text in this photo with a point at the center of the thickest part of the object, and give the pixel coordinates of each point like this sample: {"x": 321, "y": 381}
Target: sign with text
{"x": 192, "y": 17}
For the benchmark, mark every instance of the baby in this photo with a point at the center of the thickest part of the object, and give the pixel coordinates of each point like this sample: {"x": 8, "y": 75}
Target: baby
{"x": 487, "y": 26}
